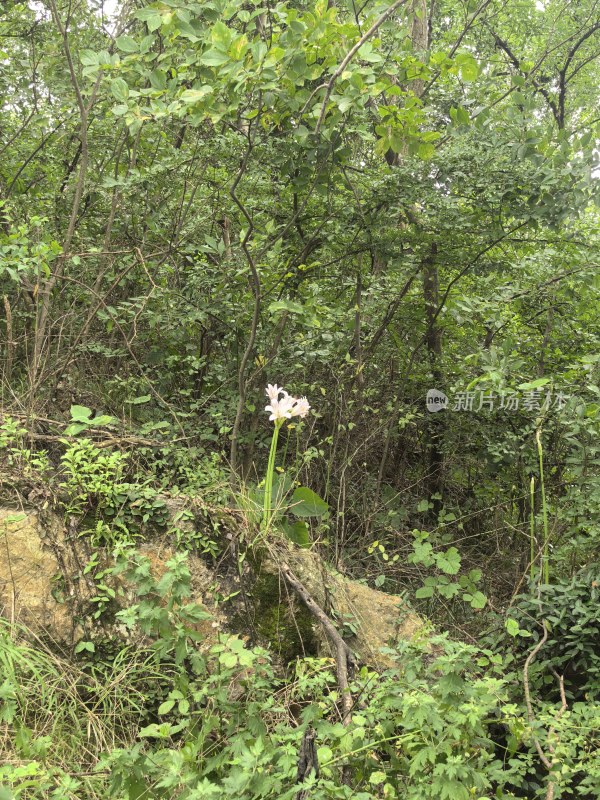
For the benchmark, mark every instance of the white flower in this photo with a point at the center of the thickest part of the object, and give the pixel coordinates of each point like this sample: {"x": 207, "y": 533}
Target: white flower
{"x": 301, "y": 408}
{"x": 285, "y": 407}
{"x": 281, "y": 409}
{"x": 273, "y": 392}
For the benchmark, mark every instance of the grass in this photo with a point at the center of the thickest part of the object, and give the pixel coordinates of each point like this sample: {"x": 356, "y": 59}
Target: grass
{"x": 57, "y": 717}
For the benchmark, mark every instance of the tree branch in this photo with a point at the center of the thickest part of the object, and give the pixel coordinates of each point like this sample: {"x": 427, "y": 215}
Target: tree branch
{"x": 344, "y": 659}
{"x": 347, "y": 59}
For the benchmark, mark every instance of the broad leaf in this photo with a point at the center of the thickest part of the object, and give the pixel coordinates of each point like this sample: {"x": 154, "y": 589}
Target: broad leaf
{"x": 297, "y": 532}
{"x": 306, "y": 503}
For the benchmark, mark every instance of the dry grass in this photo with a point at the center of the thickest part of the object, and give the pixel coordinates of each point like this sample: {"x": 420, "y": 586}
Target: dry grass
{"x": 65, "y": 716}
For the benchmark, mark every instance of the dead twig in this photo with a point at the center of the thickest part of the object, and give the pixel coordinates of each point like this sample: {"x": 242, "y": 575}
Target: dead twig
{"x": 530, "y": 715}
{"x": 345, "y": 663}
{"x": 10, "y": 343}
{"x": 548, "y": 762}
{"x": 307, "y": 760}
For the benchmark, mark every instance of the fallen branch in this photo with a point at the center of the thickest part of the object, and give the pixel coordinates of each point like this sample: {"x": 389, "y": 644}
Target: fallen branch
{"x": 106, "y": 440}
{"x": 551, "y": 732}
{"x": 307, "y": 760}
{"x": 548, "y": 762}
{"x": 530, "y": 716}
{"x": 344, "y": 659}
{"x": 345, "y": 662}
{"x": 101, "y": 438}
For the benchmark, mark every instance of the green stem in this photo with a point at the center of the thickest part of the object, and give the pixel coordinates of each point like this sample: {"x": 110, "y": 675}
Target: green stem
{"x": 269, "y": 479}
{"x": 545, "y": 564}
{"x": 532, "y": 527}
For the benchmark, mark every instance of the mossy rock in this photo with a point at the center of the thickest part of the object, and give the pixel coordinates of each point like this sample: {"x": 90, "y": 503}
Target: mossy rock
{"x": 377, "y": 619}
{"x": 279, "y": 622}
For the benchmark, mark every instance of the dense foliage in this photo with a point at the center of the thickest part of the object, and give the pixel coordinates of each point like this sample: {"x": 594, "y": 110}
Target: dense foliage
{"x": 364, "y": 203}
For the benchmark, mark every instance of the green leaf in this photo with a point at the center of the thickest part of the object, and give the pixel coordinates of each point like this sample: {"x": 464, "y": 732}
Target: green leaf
{"x": 127, "y": 44}
{"x": 195, "y": 95}
{"x": 81, "y": 413}
{"x": 75, "y": 428}
{"x": 468, "y": 67}
{"x": 366, "y": 54}
{"x": 377, "y": 777}
{"x": 87, "y": 646}
{"x": 158, "y": 79}
{"x": 214, "y": 58}
{"x": 220, "y": 34}
{"x": 306, "y": 503}
{"x": 512, "y": 627}
{"x": 286, "y": 305}
{"x": 478, "y": 600}
{"x": 324, "y": 754}
{"x": 534, "y": 384}
{"x": 345, "y": 102}
{"x": 424, "y": 592}
{"x": 145, "y": 13}
{"x": 298, "y": 533}
{"x": 183, "y": 707}
{"x": 448, "y": 562}
{"x": 102, "y": 419}
{"x": 448, "y": 590}
{"x": 165, "y": 707}
{"x": 151, "y": 17}
{"x": 462, "y": 116}
{"x": 120, "y": 89}
{"x": 426, "y": 151}
{"x": 423, "y": 554}
{"x": 229, "y": 660}
{"x": 163, "y": 731}
{"x": 89, "y": 58}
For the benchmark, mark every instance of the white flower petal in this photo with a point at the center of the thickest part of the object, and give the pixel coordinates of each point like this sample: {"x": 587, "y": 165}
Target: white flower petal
{"x": 273, "y": 391}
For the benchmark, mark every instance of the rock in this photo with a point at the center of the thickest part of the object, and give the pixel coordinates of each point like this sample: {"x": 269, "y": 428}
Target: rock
{"x": 31, "y": 581}
{"x": 45, "y": 586}
{"x": 373, "y": 619}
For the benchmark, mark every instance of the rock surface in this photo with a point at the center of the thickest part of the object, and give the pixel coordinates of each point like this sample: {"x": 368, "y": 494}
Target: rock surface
{"x": 31, "y": 581}
{"x": 373, "y": 619}
{"x": 43, "y": 585}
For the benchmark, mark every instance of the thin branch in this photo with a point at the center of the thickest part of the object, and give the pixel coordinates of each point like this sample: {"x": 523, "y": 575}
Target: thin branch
{"x": 33, "y": 154}
{"x": 344, "y": 659}
{"x": 562, "y": 76}
{"x": 348, "y": 58}
{"x": 530, "y": 715}
{"x": 256, "y": 290}
{"x": 458, "y": 42}
{"x": 536, "y": 85}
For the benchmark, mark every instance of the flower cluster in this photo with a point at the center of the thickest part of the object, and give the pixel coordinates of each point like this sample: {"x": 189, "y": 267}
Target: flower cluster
{"x": 285, "y": 407}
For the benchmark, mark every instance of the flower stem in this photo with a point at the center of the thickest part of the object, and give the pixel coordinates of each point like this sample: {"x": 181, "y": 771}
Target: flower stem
{"x": 545, "y": 562}
{"x": 532, "y": 528}
{"x": 269, "y": 478}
